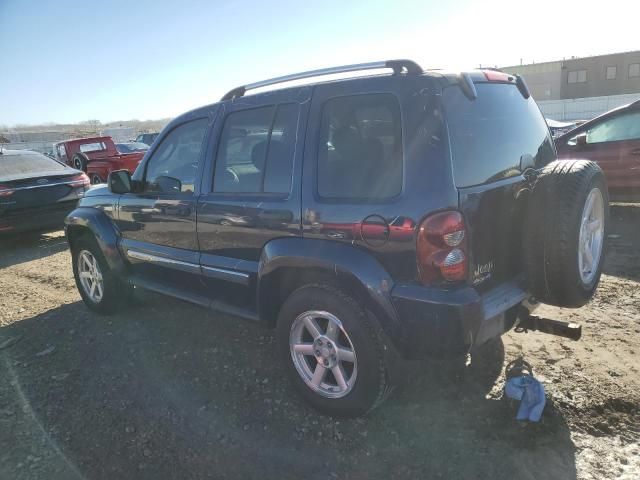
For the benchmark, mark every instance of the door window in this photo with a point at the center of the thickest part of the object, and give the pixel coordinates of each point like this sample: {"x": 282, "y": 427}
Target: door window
{"x": 622, "y": 127}
{"x": 256, "y": 150}
{"x": 360, "y": 149}
{"x": 62, "y": 153}
{"x": 174, "y": 164}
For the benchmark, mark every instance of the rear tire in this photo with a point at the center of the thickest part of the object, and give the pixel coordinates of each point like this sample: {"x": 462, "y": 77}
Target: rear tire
{"x": 567, "y": 221}
{"x": 110, "y": 293}
{"x": 364, "y": 382}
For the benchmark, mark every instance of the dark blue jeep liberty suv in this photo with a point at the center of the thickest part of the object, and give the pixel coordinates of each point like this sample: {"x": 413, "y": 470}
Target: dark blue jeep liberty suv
{"x": 397, "y": 214}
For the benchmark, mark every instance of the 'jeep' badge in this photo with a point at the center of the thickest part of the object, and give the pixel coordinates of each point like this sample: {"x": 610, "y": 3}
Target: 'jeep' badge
{"x": 482, "y": 272}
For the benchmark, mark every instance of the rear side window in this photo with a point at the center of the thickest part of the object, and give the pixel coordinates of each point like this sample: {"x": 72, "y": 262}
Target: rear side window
{"x": 623, "y": 127}
{"x": 360, "y": 150}
{"x": 256, "y": 150}
{"x": 491, "y": 134}
{"x": 92, "y": 147}
{"x": 27, "y": 164}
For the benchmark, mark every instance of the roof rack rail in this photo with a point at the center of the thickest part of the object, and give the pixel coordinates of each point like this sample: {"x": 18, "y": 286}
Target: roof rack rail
{"x": 398, "y": 66}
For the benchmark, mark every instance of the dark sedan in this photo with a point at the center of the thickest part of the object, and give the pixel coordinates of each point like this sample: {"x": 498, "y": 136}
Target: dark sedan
{"x": 36, "y": 192}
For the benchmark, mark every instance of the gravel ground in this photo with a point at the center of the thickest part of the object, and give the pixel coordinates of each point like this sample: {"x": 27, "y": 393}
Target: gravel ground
{"x": 167, "y": 390}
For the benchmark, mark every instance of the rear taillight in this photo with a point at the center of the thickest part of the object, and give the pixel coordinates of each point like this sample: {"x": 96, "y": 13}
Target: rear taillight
{"x": 80, "y": 180}
{"x": 442, "y": 248}
{"x": 6, "y": 190}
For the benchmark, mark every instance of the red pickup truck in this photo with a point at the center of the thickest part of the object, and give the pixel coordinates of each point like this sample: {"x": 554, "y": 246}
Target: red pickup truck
{"x": 97, "y": 156}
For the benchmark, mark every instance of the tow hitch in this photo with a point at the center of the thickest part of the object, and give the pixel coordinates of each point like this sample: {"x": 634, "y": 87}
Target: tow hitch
{"x": 547, "y": 325}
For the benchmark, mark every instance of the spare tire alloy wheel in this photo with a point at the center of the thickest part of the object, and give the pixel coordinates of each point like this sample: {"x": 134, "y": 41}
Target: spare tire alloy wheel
{"x": 323, "y": 353}
{"x": 90, "y": 276}
{"x": 591, "y": 236}
{"x": 95, "y": 179}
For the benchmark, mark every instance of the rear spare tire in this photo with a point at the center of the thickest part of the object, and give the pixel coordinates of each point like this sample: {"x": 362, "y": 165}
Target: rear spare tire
{"x": 80, "y": 162}
{"x": 565, "y": 230}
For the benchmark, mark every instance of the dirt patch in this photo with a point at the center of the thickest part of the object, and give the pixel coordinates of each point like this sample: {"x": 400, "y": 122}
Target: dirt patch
{"x": 167, "y": 390}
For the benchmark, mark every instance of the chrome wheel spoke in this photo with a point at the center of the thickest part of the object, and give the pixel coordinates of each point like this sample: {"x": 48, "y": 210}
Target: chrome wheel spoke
{"x": 318, "y": 375}
{"x": 339, "y": 375}
{"x": 304, "y": 348}
{"x": 312, "y": 326}
{"x": 346, "y": 355}
{"x": 84, "y": 274}
{"x": 332, "y": 331}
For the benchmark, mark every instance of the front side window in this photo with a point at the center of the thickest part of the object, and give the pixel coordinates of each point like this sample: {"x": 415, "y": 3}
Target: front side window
{"x": 623, "y": 127}
{"x": 92, "y": 147}
{"x": 174, "y": 164}
{"x": 360, "y": 148}
{"x": 256, "y": 150}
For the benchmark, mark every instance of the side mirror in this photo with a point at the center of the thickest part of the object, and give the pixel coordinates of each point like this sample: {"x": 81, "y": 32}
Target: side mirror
{"x": 119, "y": 181}
{"x": 168, "y": 184}
{"x": 581, "y": 140}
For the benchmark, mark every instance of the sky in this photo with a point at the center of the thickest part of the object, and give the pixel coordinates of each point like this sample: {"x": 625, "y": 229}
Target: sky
{"x": 67, "y": 61}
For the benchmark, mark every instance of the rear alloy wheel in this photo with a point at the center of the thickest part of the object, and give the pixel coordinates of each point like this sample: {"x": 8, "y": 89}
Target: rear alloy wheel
{"x": 323, "y": 354}
{"x": 332, "y": 351}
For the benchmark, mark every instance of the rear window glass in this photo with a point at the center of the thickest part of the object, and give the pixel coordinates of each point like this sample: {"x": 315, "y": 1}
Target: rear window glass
{"x": 491, "y": 134}
{"x": 26, "y": 163}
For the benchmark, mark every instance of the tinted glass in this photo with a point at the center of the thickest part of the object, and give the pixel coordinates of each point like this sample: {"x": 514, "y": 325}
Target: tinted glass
{"x": 360, "y": 150}
{"x": 256, "y": 150}
{"x": 491, "y": 134}
{"x": 174, "y": 164}
{"x": 27, "y": 164}
{"x": 623, "y": 127}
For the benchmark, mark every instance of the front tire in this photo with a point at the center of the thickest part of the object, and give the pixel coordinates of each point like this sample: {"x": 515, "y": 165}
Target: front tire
{"x": 99, "y": 288}
{"x": 95, "y": 179}
{"x": 331, "y": 351}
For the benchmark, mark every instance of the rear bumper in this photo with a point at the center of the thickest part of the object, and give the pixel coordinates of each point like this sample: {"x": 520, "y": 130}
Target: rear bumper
{"x": 440, "y": 322}
{"x": 37, "y": 218}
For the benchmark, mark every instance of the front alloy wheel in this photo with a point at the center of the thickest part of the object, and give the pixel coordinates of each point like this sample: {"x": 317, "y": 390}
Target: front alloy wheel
{"x": 90, "y": 276}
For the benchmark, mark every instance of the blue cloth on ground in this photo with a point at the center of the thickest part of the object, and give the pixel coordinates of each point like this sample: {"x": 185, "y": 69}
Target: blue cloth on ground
{"x": 530, "y": 392}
